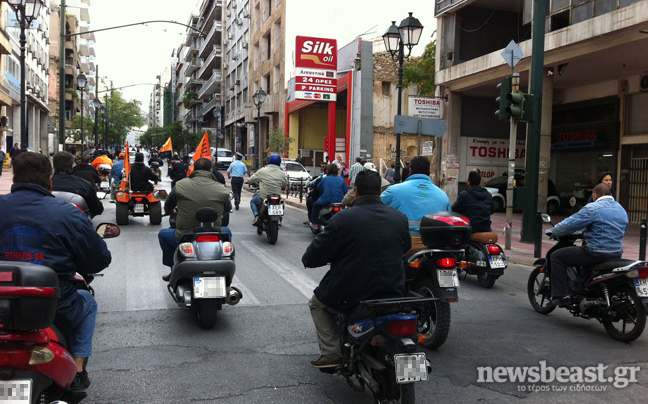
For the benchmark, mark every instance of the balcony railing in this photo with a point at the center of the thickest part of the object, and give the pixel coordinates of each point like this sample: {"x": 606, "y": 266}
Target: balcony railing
{"x": 210, "y": 105}
{"x": 218, "y": 26}
{"x": 210, "y": 84}
{"x": 216, "y": 52}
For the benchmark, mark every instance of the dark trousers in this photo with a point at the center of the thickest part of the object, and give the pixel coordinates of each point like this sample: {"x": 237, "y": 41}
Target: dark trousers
{"x": 237, "y": 185}
{"x": 571, "y": 257}
{"x": 314, "y": 215}
{"x": 309, "y": 206}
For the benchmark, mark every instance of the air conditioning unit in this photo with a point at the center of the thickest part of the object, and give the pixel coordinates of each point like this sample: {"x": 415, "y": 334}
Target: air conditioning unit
{"x": 229, "y": 36}
{"x": 245, "y": 45}
{"x": 239, "y": 21}
{"x": 237, "y": 83}
{"x": 229, "y": 13}
{"x": 643, "y": 83}
{"x": 246, "y": 14}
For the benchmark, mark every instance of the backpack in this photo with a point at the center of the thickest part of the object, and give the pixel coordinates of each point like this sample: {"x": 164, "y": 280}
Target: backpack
{"x": 180, "y": 170}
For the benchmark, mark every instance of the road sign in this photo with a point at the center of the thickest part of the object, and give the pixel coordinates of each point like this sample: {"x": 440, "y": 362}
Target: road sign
{"x": 410, "y": 124}
{"x": 512, "y": 54}
{"x": 425, "y": 107}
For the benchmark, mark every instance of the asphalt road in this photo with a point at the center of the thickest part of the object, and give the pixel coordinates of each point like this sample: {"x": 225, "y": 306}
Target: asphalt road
{"x": 148, "y": 350}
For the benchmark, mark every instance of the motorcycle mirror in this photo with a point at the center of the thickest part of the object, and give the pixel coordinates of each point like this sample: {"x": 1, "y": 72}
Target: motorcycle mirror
{"x": 546, "y": 218}
{"x": 160, "y": 194}
{"x": 108, "y": 230}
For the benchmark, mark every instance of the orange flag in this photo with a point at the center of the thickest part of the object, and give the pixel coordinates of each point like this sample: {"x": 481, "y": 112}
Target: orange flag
{"x": 127, "y": 169}
{"x": 167, "y": 146}
{"x": 203, "y": 151}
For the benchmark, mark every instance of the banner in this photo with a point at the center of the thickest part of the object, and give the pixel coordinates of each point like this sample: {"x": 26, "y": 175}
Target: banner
{"x": 127, "y": 169}
{"x": 167, "y": 146}
{"x": 203, "y": 151}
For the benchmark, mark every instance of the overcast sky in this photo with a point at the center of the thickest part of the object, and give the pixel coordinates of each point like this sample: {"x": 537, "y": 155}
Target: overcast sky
{"x": 137, "y": 54}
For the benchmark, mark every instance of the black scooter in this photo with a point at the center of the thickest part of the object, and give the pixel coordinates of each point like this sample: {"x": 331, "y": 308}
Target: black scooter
{"x": 485, "y": 258}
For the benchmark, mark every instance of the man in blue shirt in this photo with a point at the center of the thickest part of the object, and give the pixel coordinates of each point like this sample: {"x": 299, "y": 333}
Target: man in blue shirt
{"x": 605, "y": 222}
{"x": 116, "y": 176}
{"x": 236, "y": 172}
{"x": 417, "y": 196}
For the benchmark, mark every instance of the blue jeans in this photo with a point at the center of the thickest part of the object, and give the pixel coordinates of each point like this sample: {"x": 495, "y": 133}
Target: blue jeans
{"x": 76, "y": 318}
{"x": 169, "y": 243}
{"x": 255, "y": 204}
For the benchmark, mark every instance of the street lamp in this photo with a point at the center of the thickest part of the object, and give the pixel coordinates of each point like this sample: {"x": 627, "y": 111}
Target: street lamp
{"x": 81, "y": 81}
{"x": 105, "y": 119}
{"x": 258, "y": 98}
{"x": 407, "y": 34}
{"x": 26, "y": 12}
{"x": 97, "y": 106}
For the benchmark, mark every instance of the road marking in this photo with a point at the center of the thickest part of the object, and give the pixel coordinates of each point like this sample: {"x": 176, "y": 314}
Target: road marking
{"x": 291, "y": 274}
{"x": 248, "y": 297}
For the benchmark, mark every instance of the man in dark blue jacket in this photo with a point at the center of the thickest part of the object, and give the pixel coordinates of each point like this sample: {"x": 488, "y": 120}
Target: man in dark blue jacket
{"x": 365, "y": 246}
{"x": 67, "y": 243}
{"x": 476, "y": 203}
{"x": 63, "y": 180}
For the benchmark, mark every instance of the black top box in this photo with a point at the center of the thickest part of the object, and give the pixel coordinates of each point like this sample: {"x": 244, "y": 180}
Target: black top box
{"x": 445, "y": 230}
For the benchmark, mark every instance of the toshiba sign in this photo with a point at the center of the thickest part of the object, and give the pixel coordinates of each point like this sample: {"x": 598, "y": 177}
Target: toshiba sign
{"x": 316, "y": 53}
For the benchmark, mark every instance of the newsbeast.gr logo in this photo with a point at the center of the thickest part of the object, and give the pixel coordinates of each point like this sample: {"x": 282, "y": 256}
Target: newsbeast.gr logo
{"x": 590, "y": 378}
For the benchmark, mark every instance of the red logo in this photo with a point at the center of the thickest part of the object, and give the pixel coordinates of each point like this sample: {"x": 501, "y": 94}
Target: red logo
{"x": 317, "y": 53}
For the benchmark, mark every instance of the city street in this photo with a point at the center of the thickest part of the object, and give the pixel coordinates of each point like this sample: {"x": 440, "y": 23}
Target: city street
{"x": 148, "y": 350}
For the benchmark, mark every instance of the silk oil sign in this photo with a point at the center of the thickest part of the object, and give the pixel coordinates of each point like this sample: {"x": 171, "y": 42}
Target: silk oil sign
{"x": 316, "y": 69}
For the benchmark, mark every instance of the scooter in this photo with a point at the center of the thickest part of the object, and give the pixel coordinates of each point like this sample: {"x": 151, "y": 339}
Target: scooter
{"x": 35, "y": 365}
{"x": 104, "y": 174}
{"x": 485, "y": 258}
{"x": 432, "y": 271}
{"x": 325, "y": 214}
{"x": 614, "y": 292}
{"x": 203, "y": 270}
{"x": 379, "y": 344}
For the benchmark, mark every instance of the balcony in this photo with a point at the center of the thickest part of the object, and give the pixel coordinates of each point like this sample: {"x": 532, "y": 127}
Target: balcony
{"x": 194, "y": 83}
{"x": 190, "y": 117}
{"x": 192, "y": 52}
{"x": 215, "y": 102}
{"x": 210, "y": 86}
{"x": 217, "y": 27}
{"x": 217, "y": 52}
{"x": 192, "y": 66}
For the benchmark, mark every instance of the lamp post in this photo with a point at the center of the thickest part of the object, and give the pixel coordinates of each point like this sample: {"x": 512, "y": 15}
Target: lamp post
{"x": 81, "y": 81}
{"x": 105, "y": 119}
{"x": 407, "y": 34}
{"x": 26, "y": 12}
{"x": 258, "y": 98}
{"x": 97, "y": 106}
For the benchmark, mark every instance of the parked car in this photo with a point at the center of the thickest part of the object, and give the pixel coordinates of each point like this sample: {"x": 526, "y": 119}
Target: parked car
{"x": 497, "y": 187}
{"x": 225, "y": 157}
{"x": 295, "y": 172}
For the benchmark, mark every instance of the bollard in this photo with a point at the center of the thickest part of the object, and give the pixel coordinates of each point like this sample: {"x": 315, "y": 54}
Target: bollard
{"x": 537, "y": 245}
{"x": 642, "y": 239}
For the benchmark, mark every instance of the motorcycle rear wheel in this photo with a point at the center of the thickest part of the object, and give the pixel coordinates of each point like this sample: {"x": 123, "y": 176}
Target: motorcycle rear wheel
{"x": 121, "y": 213}
{"x": 272, "y": 231}
{"x": 539, "y": 302}
{"x": 436, "y": 326}
{"x": 407, "y": 395}
{"x": 631, "y": 311}
{"x": 207, "y": 310}
{"x": 485, "y": 279}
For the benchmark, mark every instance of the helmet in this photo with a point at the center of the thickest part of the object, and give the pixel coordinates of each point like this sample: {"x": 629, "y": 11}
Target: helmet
{"x": 121, "y": 155}
{"x": 274, "y": 159}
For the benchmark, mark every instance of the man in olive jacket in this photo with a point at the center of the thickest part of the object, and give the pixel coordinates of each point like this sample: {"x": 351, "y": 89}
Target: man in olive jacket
{"x": 197, "y": 191}
{"x": 364, "y": 245}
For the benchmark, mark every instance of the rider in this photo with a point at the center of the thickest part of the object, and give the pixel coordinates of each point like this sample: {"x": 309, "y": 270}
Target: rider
{"x": 179, "y": 170}
{"x": 476, "y": 203}
{"x": 102, "y": 159}
{"x": 605, "y": 222}
{"x": 141, "y": 175}
{"x": 333, "y": 188}
{"x": 271, "y": 180}
{"x": 199, "y": 190}
{"x": 173, "y": 160}
{"x": 314, "y": 194}
{"x": 66, "y": 242}
{"x": 64, "y": 181}
{"x": 86, "y": 171}
{"x": 155, "y": 159}
{"x": 364, "y": 264}
{"x": 116, "y": 176}
{"x": 350, "y": 196}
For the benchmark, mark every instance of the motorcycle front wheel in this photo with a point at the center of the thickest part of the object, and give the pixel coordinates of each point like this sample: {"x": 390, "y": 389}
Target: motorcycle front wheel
{"x": 538, "y": 281}
{"x": 207, "y": 310}
{"x": 629, "y": 315}
{"x": 435, "y": 326}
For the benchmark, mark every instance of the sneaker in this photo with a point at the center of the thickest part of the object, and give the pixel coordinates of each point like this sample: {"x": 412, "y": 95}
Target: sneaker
{"x": 237, "y": 206}
{"x": 314, "y": 226}
{"x": 256, "y": 220}
{"x": 328, "y": 361}
{"x": 80, "y": 383}
{"x": 166, "y": 277}
{"x": 559, "y": 302}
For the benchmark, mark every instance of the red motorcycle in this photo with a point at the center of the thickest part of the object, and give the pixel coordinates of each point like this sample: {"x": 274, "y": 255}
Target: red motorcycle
{"x": 35, "y": 365}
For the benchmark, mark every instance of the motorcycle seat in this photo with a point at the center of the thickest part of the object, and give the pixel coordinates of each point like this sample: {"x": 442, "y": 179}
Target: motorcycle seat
{"x": 611, "y": 264}
{"x": 484, "y": 237}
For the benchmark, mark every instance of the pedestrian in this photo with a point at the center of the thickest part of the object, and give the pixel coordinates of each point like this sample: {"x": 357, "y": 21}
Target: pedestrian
{"x": 406, "y": 171}
{"x": 236, "y": 172}
{"x": 355, "y": 169}
{"x": 3, "y": 157}
{"x": 300, "y": 159}
{"x": 14, "y": 152}
{"x": 389, "y": 174}
{"x": 73, "y": 150}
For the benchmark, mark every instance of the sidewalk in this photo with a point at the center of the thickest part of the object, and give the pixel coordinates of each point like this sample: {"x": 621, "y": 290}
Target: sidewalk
{"x": 6, "y": 180}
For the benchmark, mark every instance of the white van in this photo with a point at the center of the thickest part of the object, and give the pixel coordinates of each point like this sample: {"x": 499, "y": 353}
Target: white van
{"x": 225, "y": 157}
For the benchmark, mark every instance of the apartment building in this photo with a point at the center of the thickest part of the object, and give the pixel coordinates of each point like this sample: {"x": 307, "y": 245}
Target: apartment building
{"x": 5, "y": 91}
{"x": 594, "y": 97}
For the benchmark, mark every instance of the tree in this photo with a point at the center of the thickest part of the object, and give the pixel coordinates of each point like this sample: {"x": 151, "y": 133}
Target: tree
{"x": 421, "y": 73}
{"x": 88, "y": 129}
{"x": 278, "y": 142}
{"x": 123, "y": 116}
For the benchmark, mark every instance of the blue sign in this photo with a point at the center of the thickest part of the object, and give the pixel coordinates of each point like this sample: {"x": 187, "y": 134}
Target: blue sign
{"x": 12, "y": 21}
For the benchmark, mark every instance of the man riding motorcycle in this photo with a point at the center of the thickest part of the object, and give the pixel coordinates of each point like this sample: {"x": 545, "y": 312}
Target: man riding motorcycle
{"x": 141, "y": 175}
{"x": 64, "y": 181}
{"x": 57, "y": 235}
{"x": 332, "y": 188}
{"x": 86, "y": 171}
{"x": 364, "y": 264}
{"x": 271, "y": 180}
{"x": 155, "y": 159}
{"x": 173, "y": 160}
{"x": 116, "y": 177}
{"x": 199, "y": 190}
{"x": 102, "y": 159}
{"x": 179, "y": 170}
{"x": 476, "y": 203}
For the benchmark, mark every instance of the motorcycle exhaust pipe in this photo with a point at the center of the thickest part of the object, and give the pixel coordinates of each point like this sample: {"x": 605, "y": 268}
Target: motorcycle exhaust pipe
{"x": 428, "y": 365}
{"x": 233, "y": 296}
{"x": 587, "y": 303}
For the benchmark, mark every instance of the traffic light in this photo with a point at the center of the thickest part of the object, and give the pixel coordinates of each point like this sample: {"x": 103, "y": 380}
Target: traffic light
{"x": 515, "y": 109}
{"x": 528, "y": 108}
{"x": 505, "y": 88}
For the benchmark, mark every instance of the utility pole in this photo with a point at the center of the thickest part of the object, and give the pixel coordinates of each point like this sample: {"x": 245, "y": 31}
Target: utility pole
{"x": 62, "y": 38}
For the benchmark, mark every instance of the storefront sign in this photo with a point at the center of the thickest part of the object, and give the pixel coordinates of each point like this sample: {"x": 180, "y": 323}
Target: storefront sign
{"x": 426, "y": 107}
{"x": 492, "y": 152}
{"x": 316, "y": 69}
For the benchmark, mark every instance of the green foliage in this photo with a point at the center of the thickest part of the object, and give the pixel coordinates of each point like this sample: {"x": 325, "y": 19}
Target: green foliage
{"x": 278, "y": 142}
{"x": 123, "y": 116}
{"x": 73, "y": 92}
{"x": 88, "y": 129}
{"x": 189, "y": 96}
{"x": 421, "y": 74}
{"x": 180, "y": 138}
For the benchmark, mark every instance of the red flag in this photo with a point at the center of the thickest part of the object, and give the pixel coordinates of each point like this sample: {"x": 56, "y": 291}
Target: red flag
{"x": 203, "y": 151}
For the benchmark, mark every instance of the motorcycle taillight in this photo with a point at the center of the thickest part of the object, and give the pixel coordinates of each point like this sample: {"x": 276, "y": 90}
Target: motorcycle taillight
{"x": 446, "y": 263}
{"x": 138, "y": 200}
{"x": 207, "y": 238}
{"x": 275, "y": 198}
{"x": 15, "y": 357}
{"x": 336, "y": 208}
{"x": 643, "y": 272}
{"x": 493, "y": 249}
{"x": 228, "y": 248}
{"x": 401, "y": 327}
{"x": 6, "y": 276}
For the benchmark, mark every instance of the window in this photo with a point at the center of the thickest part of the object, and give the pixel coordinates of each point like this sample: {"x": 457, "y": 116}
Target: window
{"x": 266, "y": 51}
{"x": 277, "y": 34}
{"x": 636, "y": 115}
{"x": 256, "y": 56}
{"x": 277, "y": 75}
{"x": 386, "y": 89}
{"x": 267, "y": 82}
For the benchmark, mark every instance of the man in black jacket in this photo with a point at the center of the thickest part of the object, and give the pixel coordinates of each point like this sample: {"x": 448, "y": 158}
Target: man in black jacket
{"x": 365, "y": 246}
{"x": 141, "y": 175}
{"x": 86, "y": 171}
{"x": 179, "y": 170}
{"x": 64, "y": 181}
{"x": 476, "y": 203}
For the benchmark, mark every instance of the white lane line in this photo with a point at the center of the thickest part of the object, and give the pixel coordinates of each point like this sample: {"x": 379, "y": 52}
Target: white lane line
{"x": 291, "y": 274}
{"x": 248, "y": 297}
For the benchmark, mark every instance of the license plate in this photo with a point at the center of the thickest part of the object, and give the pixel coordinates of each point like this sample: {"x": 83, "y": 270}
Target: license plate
{"x": 496, "y": 261}
{"x": 448, "y": 278}
{"x": 105, "y": 184}
{"x": 275, "y": 210}
{"x": 410, "y": 367}
{"x": 15, "y": 391}
{"x": 139, "y": 208}
{"x": 642, "y": 287}
{"x": 210, "y": 287}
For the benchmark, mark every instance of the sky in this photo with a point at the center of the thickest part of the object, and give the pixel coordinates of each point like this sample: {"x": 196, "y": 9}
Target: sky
{"x": 137, "y": 54}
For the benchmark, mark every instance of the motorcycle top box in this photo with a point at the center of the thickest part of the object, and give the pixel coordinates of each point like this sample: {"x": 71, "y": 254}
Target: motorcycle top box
{"x": 445, "y": 230}
{"x": 29, "y": 294}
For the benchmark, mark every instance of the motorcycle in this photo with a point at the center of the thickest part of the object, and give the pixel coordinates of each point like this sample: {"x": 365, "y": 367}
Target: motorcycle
{"x": 432, "y": 271}
{"x": 104, "y": 174}
{"x": 75, "y": 199}
{"x": 139, "y": 204}
{"x": 35, "y": 364}
{"x": 155, "y": 167}
{"x": 484, "y": 258}
{"x": 203, "y": 269}
{"x": 611, "y": 291}
{"x": 326, "y": 213}
{"x": 379, "y": 347}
